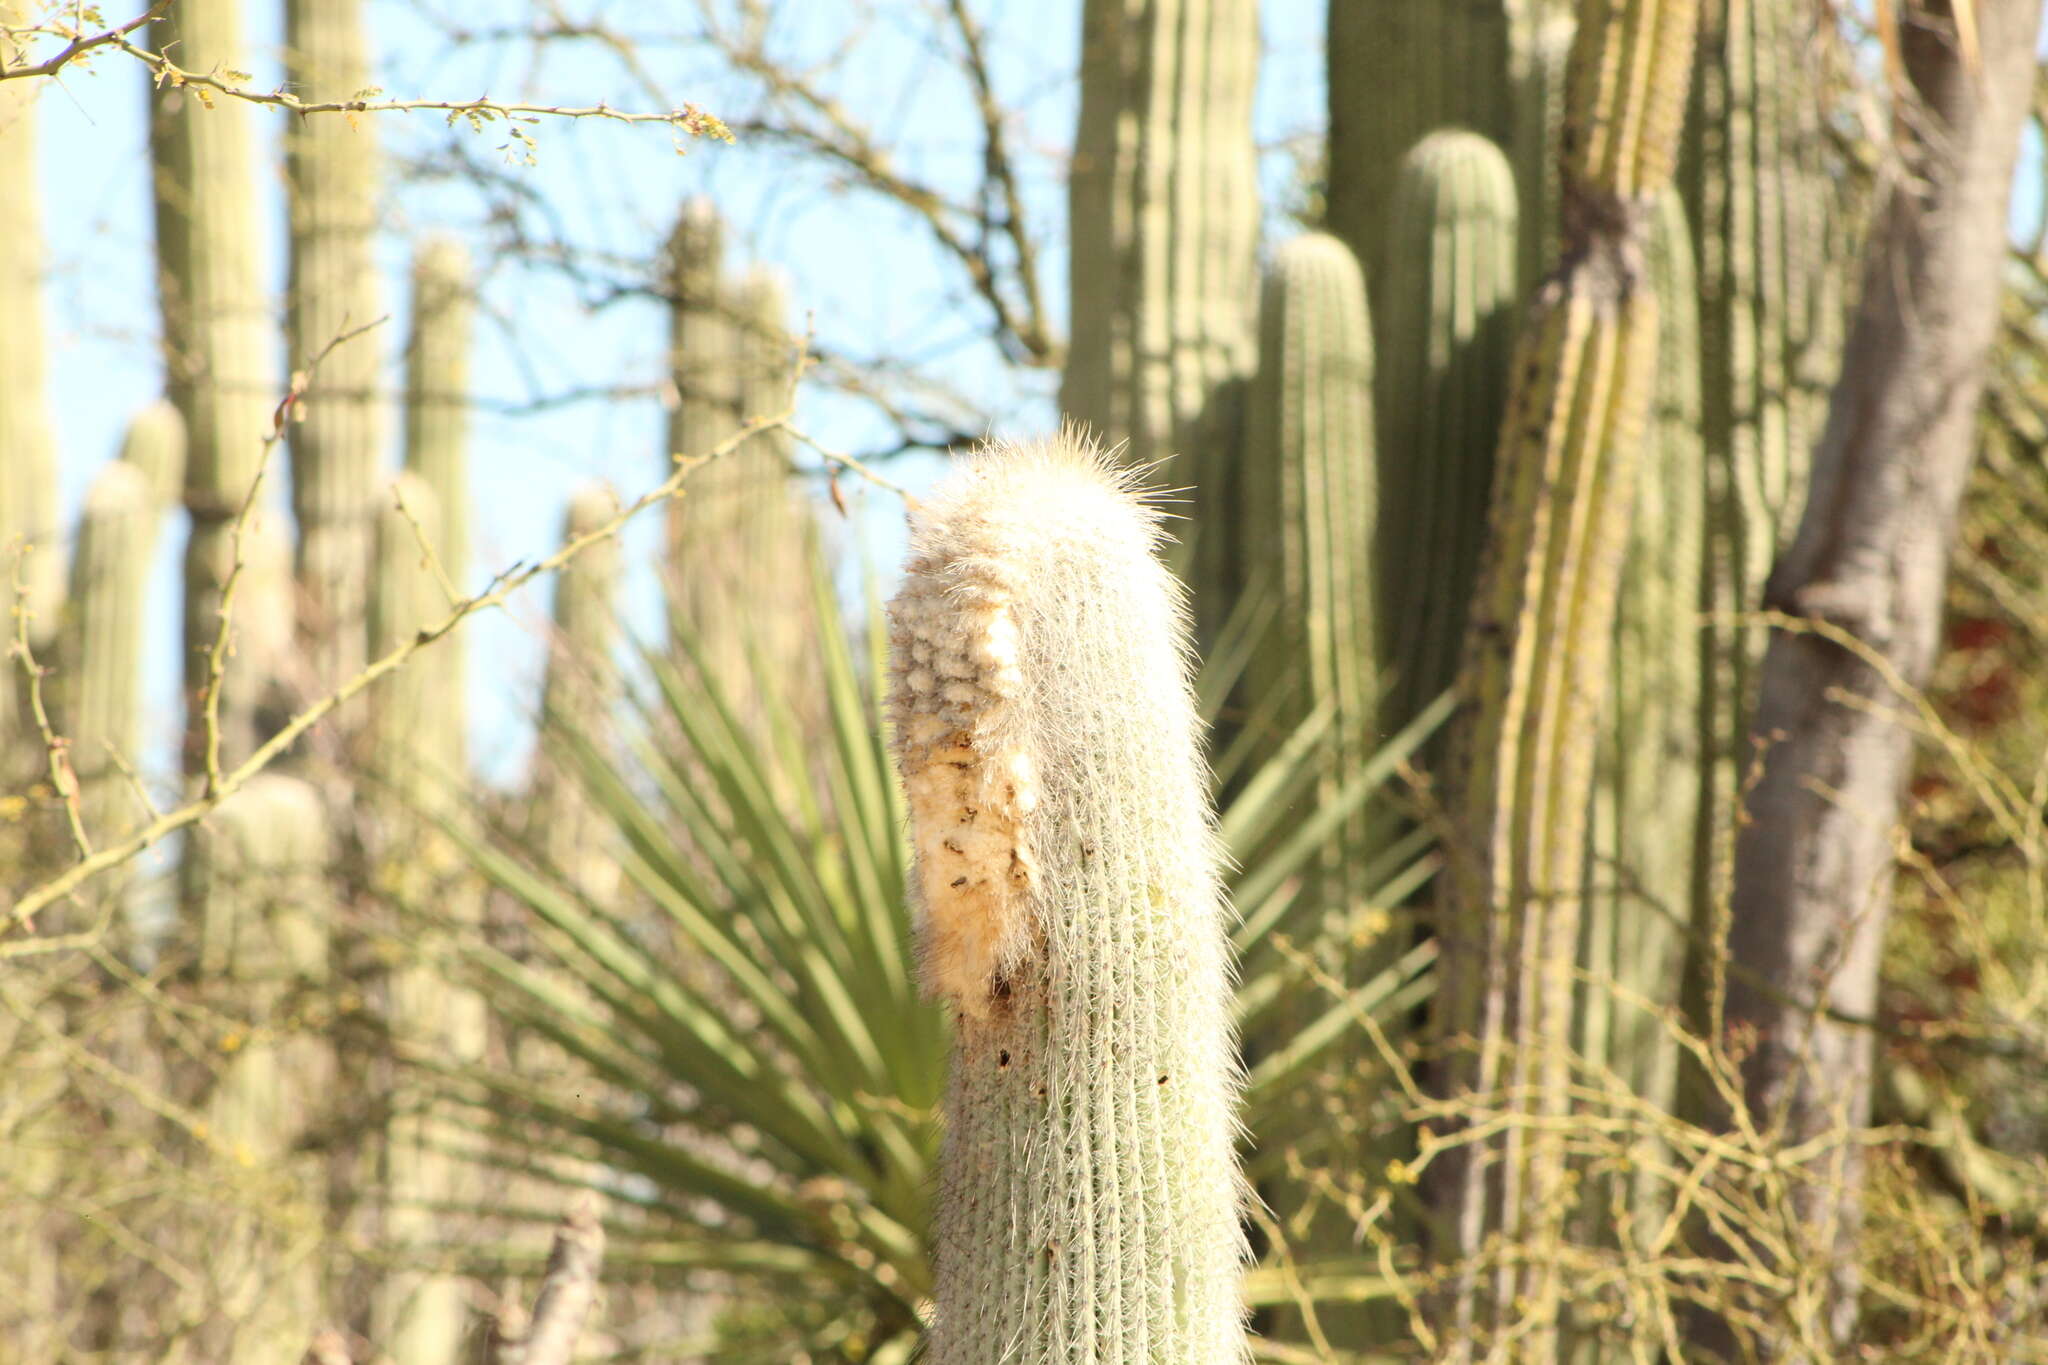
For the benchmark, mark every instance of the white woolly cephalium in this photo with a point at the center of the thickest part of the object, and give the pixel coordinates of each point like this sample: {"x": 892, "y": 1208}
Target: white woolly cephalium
{"x": 1071, "y": 913}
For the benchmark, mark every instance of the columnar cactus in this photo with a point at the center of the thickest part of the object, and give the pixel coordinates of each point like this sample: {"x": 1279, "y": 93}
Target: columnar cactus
{"x": 1632, "y": 940}
{"x": 1445, "y": 318}
{"x": 1407, "y": 67}
{"x": 102, "y": 657}
{"x": 1309, "y": 480}
{"x": 1541, "y": 45}
{"x": 28, "y": 460}
{"x": 1162, "y": 272}
{"x": 740, "y": 533}
{"x": 417, "y": 1316}
{"x": 264, "y": 855}
{"x": 437, "y": 451}
{"x": 216, "y": 330}
{"x": 1535, "y": 671}
{"x": 1772, "y": 286}
{"x": 1071, "y": 917}
{"x": 331, "y": 171}
{"x": 582, "y": 686}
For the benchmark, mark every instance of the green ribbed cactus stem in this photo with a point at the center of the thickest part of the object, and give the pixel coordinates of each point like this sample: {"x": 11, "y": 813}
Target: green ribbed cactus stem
{"x": 1542, "y": 44}
{"x": 1163, "y": 273}
{"x": 1310, "y": 486}
{"x": 263, "y": 949}
{"x": 1534, "y": 677}
{"x": 1072, "y": 918}
{"x": 155, "y": 444}
{"x": 420, "y": 1317}
{"x": 583, "y": 685}
{"x": 703, "y": 366}
{"x": 216, "y": 329}
{"x": 1773, "y": 281}
{"x": 28, "y": 455}
{"x": 437, "y": 447}
{"x": 331, "y": 174}
{"x": 1632, "y": 940}
{"x": 102, "y": 657}
{"x": 1399, "y": 69}
{"x": 1445, "y": 329}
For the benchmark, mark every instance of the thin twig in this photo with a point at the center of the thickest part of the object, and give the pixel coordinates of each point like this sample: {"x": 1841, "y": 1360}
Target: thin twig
{"x": 499, "y": 589}
{"x": 80, "y": 43}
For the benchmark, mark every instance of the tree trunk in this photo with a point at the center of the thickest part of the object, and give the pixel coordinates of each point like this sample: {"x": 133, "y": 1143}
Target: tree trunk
{"x": 1814, "y": 861}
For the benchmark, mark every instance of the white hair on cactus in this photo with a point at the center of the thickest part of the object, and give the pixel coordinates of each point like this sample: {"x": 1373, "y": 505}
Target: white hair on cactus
{"x": 1071, "y": 913}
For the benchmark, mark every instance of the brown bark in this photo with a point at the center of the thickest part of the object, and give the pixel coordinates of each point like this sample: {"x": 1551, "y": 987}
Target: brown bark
{"x": 1865, "y": 574}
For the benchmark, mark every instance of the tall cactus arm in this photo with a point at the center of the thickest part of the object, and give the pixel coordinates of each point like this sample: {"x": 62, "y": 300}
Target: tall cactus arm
{"x": 1534, "y": 676}
{"x": 331, "y": 171}
{"x": 1072, "y": 918}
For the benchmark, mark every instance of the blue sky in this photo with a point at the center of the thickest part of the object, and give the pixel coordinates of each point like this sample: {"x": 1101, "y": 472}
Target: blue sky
{"x": 860, "y": 273}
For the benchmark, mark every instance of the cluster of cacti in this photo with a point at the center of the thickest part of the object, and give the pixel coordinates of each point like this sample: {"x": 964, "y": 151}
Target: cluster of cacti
{"x": 1162, "y": 261}
{"x": 1402, "y": 69}
{"x": 1535, "y": 672}
{"x": 741, "y": 528}
{"x": 1071, "y": 918}
{"x": 338, "y": 439}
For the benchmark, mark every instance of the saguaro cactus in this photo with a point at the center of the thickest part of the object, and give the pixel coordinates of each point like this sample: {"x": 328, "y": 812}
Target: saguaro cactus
{"x": 331, "y": 169}
{"x": 1535, "y": 672}
{"x": 28, "y": 460}
{"x": 1407, "y": 67}
{"x": 1163, "y": 273}
{"x": 437, "y": 453}
{"x": 217, "y": 342}
{"x": 1772, "y": 288}
{"x": 1072, "y": 918}
{"x": 1445, "y": 329}
{"x": 1309, "y": 479}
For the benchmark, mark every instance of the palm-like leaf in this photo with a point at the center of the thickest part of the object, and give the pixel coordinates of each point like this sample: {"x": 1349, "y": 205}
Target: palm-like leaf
{"x": 754, "y": 1076}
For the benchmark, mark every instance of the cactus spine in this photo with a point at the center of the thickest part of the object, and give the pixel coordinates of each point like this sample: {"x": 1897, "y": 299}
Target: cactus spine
{"x": 1535, "y": 671}
{"x": 28, "y": 460}
{"x": 1072, "y": 918}
{"x": 331, "y": 169}
{"x": 1408, "y": 67}
{"x": 1445, "y": 318}
{"x": 215, "y": 329}
{"x": 582, "y": 686}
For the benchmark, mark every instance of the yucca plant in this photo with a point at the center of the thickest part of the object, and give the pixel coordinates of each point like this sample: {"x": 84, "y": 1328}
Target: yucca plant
{"x": 746, "y": 1066}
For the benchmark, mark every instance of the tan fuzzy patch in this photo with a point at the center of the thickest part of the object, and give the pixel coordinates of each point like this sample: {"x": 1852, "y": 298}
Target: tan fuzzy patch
{"x": 968, "y": 793}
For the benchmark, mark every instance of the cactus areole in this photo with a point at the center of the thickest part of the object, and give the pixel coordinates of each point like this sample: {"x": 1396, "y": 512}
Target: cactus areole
{"x": 1072, "y": 917}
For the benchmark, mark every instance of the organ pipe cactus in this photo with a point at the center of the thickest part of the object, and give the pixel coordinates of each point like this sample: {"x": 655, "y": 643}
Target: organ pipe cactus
{"x": 1071, "y": 917}
{"x": 1535, "y": 672}
{"x": 331, "y": 172}
{"x": 1407, "y": 67}
{"x": 701, "y": 364}
{"x": 216, "y": 336}
{"x": 1541, "y": 46}
{"x": 1445, "y": 319}
{"x": 28, "y": 460}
